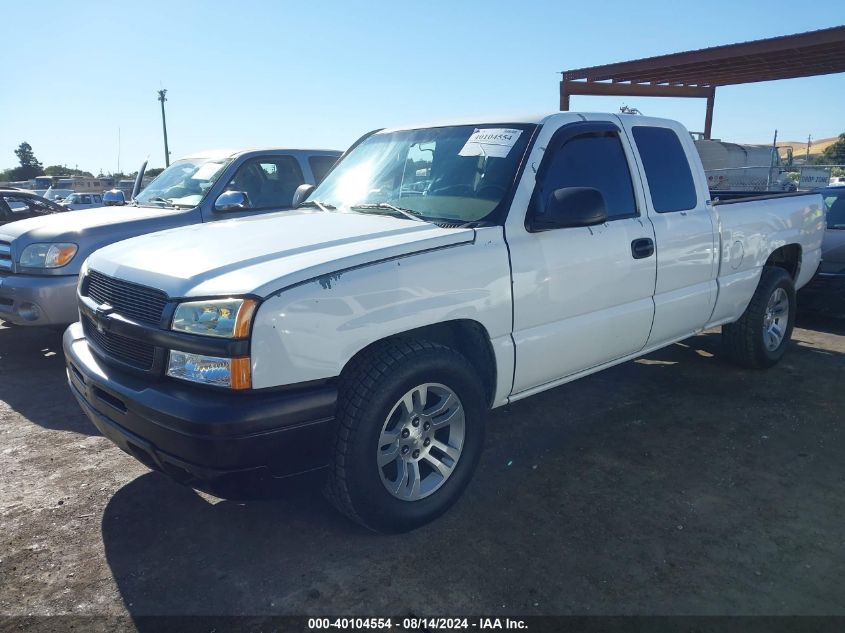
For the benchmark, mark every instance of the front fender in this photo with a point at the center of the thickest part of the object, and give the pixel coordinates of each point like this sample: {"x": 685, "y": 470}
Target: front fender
{"x": 310, "y": 331}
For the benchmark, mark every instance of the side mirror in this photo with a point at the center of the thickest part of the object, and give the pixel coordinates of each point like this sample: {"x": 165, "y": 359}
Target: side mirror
{"x": 302, "y": 192}
{"x": 571, "y": 207}
{"x": 114, "y": 198}
{"x": 232, "y": 201}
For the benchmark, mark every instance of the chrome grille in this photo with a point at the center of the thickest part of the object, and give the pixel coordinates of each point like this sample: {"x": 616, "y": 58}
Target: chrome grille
{"x": 130, "y": 300}
{"x": 5, "y": 256}
{"x": 130, "y": 351}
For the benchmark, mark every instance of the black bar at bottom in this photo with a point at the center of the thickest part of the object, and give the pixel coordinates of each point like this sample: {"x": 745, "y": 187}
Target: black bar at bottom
{"x": 402, "y": 623}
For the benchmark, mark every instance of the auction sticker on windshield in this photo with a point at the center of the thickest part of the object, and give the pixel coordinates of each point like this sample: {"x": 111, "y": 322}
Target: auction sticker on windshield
{"x": 494, "y": 142}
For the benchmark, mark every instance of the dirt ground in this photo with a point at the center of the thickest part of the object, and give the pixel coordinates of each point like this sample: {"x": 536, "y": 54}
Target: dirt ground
{"x": 675, "y": 484}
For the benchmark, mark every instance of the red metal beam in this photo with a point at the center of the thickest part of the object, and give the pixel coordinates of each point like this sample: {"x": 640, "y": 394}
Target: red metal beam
{"x": 569, "y": 88}
{"x": 697, "y": 73}
{"x": 832, "y": 37}
{"x": 824, "y": 62}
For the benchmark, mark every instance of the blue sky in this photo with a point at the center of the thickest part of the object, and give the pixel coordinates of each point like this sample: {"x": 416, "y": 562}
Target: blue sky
{"x": 319, "y": 74}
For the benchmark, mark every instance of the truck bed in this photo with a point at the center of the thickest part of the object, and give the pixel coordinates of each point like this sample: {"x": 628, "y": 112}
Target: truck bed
{"x": 753, "y": 226}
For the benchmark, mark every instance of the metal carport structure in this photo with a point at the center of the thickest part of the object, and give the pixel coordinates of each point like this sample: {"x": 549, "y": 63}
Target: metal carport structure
{"x": 698, "y": 73}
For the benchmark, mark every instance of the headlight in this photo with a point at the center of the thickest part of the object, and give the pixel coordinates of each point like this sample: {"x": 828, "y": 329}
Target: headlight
{"x": 233, "y": 373}
{"x": 47, "y": 255}
{"x": 227, "y": 318}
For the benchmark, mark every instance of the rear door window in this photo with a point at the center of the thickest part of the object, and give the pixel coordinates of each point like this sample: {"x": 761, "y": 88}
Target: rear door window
{"x": 666, "y": 168}
{"x": 268, "y": 182}
{"x": 320, "y": 166}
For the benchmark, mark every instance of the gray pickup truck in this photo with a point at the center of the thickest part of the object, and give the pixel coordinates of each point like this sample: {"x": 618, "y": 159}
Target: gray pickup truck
{"x": 40, "y": 257}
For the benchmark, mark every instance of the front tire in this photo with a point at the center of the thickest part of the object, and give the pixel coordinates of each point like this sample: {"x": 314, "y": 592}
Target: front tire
{"x": 760, "y": 337}
{"x": 410, "y": 429}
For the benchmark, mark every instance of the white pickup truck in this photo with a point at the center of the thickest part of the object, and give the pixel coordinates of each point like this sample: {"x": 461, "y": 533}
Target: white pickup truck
{"x": 437, "y": 272}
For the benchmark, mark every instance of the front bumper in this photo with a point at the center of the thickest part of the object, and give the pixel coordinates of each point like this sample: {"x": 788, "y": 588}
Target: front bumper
{"x": 200, "y": 436}
{"x": 38, "y": 299}
{"x": 824, "y": 293}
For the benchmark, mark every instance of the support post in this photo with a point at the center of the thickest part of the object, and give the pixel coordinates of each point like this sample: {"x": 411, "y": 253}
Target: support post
{"x": 708, "y": 117}
{"x": 564, "y": 96}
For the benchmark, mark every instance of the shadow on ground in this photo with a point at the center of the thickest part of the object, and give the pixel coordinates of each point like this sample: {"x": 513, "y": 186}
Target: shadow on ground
{"x": 674, "y": 484}
{"x": 33, "y": 380}
{"x": 821, "y": 323}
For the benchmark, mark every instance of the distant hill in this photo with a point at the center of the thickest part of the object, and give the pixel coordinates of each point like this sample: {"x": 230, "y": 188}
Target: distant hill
{"x": 799, "y": 148}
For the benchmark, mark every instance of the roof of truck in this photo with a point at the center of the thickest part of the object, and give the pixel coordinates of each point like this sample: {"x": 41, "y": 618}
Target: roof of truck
{"x": 231, "y": 153}
{"x": 504, "y": 119}
{"x": 484, "y": 119}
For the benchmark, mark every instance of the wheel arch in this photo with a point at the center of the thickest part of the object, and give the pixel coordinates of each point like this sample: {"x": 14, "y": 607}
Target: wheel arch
{"x": 466, "y": 336}
{"x": 788, "y": 257}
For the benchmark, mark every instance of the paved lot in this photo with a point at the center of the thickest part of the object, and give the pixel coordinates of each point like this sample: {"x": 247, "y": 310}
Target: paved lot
{"x": 675, "y": 484}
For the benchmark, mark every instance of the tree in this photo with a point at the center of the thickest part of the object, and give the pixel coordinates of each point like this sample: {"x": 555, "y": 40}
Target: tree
{"x": 30, "y": 167}
{"x": 61, "y": 170}
{"x": 152, "y": 173}
{"x": 834, "y": 154}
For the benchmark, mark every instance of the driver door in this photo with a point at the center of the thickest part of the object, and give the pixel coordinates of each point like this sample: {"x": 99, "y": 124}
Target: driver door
{"x": 583, "y": 296}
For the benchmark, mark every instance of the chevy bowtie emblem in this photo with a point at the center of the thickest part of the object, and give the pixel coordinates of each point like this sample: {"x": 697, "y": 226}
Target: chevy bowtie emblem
{"x": 102, "y": 311}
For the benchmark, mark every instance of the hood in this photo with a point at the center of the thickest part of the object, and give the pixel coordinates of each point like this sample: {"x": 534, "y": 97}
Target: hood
{"x": 70, "y": 225}
{"x": 264, "y": 254}
{"x": 92, "y": 229}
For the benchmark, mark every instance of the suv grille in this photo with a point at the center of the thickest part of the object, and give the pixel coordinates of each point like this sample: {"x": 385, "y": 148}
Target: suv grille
{"x": 5, "y": 256}
{"x": 133, "y": 301}
{"x": 130, "y": 351}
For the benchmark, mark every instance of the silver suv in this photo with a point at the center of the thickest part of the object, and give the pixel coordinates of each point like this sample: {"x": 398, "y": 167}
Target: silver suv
{"x": 40, "y": 257}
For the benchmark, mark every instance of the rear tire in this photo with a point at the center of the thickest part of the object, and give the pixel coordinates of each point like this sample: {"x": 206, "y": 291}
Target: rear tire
{"x": 760, "y": 337}
{"x": 410, "y": 429}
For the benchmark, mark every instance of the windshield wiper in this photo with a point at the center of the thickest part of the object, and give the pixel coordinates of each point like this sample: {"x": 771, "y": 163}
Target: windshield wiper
{"x": 322, "y": 206}
{"x": 160, "y": 199}
{"x": 408, "y": 213}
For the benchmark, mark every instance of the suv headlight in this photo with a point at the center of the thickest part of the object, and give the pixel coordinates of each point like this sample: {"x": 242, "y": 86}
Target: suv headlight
{"x": 47, "y": 255}
{"x": 226, "y": 318}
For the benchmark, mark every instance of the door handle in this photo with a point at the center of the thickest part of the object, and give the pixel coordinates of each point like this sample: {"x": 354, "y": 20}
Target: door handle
{"x": 642, "y": 248}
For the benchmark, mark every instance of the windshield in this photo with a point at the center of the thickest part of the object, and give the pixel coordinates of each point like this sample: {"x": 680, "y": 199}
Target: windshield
{"x": 454, "y": 174}
{"x": 184, "y": 183}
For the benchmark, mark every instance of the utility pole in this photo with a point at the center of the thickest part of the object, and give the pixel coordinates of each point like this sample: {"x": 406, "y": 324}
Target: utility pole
{"x": 809, "y": 142}
{"x": 162, "y": 98}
